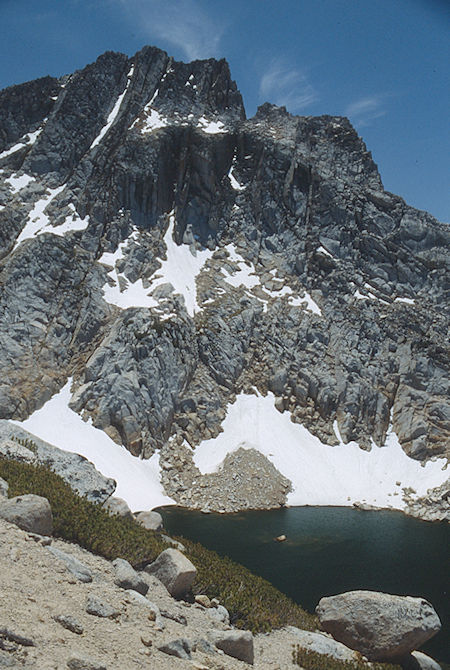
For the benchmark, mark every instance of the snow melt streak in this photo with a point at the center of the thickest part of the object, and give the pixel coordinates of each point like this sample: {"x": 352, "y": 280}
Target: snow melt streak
{"x": 138, "y": 481}
{"x": 113, "y": 114}
{"x": 320, "y": 474}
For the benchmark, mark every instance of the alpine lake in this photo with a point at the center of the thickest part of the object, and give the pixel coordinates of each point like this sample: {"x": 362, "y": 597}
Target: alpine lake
{"x": 329, "y": 550}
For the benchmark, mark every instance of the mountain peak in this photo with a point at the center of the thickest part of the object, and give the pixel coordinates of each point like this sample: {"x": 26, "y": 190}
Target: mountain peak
{"x": 175, "y": 260}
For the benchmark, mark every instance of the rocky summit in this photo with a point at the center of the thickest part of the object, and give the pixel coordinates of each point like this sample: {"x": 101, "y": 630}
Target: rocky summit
{"x": 169, "y": 257}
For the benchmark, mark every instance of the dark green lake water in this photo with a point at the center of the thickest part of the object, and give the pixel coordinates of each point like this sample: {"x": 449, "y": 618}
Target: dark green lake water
{"x": 330, "y": 550}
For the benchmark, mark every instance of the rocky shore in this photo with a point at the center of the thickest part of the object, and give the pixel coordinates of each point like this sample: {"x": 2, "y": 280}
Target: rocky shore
{"x": 79, "y": 611}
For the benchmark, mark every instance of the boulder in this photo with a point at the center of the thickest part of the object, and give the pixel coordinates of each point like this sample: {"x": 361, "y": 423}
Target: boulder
{"x": 174, "y": 616}
{"x": 150, "y": 520}
{"x": 18, "y": 452}
{"x": 202, "y": 600}
{"x": 76, "y": 567}
{"x": 98, "y": 607}
{"x": 235, "y": 643}
{"x": 154, "y": 611}
{"x": 81, "y": 475}
{"x": 381, "y": 626}
{"x": 323, "y": 644}
{"x": 84, "y": 663}
{"x": 174, "y": 570}
{"x": 70, "y": 623}
{"x": 29, "y": 512}
{"x": 118, "y": 506}
{"x": 219, "y": 613}
{"x": 127, "y": 578}
{"x": 180, "y": 648}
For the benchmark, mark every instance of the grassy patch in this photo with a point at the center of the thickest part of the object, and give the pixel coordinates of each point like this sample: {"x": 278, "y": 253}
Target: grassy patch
{"x": 311, "y": 660}
{"x": 252, "y": 602}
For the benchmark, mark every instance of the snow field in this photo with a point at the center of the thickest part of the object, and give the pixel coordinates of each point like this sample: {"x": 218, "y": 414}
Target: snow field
{"x": 138, "y": 481}
{"x": 320, "y": 474}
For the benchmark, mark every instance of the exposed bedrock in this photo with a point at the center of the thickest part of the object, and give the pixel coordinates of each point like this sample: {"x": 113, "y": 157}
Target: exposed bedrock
{"x": 307, "y": 278}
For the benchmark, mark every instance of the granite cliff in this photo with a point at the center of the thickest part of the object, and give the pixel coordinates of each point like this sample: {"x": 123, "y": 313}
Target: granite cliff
{"x": 167, "y": 255}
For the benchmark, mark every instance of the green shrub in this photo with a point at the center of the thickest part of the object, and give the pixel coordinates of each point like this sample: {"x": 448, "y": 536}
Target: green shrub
{"x": 311, "y": 660}
{"x": 252, "y": 602}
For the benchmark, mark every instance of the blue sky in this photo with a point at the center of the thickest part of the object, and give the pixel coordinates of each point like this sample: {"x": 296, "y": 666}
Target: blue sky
{"x": 382, "y": 63}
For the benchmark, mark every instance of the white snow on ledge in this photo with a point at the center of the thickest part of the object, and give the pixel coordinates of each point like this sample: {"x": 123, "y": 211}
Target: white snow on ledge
{"x": 138, "y": 480}
{"x": 181, "y": 268}
{"x": 39, "y": 223}
{"x": 211, "y": 127}
{"x": 320, "y": 474}
{"x": 27, "y": 140}
{"x": 18, "y": 183}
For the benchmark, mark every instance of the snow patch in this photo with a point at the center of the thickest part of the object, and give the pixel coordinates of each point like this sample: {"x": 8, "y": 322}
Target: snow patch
{"x": 113, "y": 114}
{"x": 71, "y": 223}
{"x": 408, "y": 301}
{"x": 18, "y": 183}
{"x": 322, "y": 250}
{"x": 320, "y": 474}
{"x": 311, "y": 305}
{"x": 246, "y": 275}
{"x": 138, "y": 480}
{"x": 27, "y": 140}
{"x": 38, "y": 221}
{"x": 211, "y": 127}
{"x": 234, "y": 182}
{"x": 134, "y": 295}
{"x": 152, "y": 121}
{"x": 181, "y": 268}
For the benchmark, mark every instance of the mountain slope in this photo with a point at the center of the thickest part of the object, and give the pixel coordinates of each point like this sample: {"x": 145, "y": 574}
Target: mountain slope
{"x": 293, "y": 272}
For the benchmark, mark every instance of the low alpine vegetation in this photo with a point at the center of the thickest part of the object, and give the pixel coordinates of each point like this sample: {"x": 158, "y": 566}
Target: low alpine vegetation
{"x": 253, "y": 603}
{"x": 311, "y": 660}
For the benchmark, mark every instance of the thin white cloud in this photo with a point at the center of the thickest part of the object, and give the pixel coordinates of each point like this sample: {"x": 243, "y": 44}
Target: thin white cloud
{"x": 365, "y": 110}
{"x": 284, "y": 85}
{"x": 181, "y": 23}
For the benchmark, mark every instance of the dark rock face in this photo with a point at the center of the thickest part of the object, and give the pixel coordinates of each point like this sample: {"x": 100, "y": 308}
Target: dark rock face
{"x": 344, "y": 311}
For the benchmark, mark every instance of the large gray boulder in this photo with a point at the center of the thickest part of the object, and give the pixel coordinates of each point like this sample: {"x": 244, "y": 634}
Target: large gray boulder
{"x": 118, "y": 506}
{"x": 127, "y": 578}
{"x": 235, "y": 643}
{"x": 381, "y": 626}
{"x": 174, "y": 570}
{"x": 29, "y": 512}
{"x": 150, "y": 520}
{"x": 81, "y": 475}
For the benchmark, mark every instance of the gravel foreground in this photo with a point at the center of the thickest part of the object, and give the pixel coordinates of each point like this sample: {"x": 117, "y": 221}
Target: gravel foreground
{"x": 36, "y": 587}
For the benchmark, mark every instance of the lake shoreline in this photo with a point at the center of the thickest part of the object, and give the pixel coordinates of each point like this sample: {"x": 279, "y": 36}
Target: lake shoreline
{"x": 329, "y": 550}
